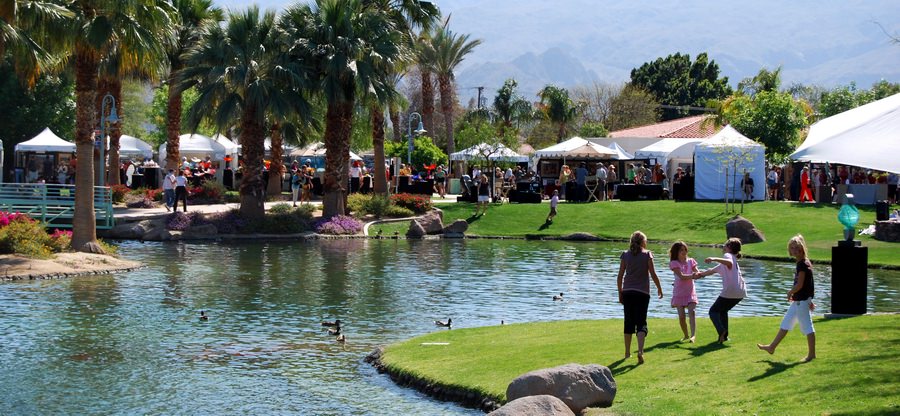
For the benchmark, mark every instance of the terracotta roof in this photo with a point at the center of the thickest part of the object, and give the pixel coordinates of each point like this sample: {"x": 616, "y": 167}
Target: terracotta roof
{"x": 688, "y": 127}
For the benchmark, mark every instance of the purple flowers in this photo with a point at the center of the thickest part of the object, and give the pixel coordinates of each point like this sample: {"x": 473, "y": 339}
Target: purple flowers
{"x": 338, "y": 225}
{"x": 180, "y": 221}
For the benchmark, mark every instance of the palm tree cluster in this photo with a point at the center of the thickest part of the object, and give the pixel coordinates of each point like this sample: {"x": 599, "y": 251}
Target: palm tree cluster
{"x": 256, "y": 73}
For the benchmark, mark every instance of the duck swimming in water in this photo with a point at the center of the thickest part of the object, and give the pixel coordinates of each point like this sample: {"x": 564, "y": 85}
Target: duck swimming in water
{"x": 560, "y": 297}
{"x": 335, "y": 331}
{"x": 203, "y": 316}
{"x": 336, "y": 322}
{"x": 341, "y": 339}
{"x": 446, "y": 324}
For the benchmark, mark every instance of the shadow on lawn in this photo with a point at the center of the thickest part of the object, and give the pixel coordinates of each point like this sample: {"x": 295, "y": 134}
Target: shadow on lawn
{"x": 663, "y": 345}
{"x": 617, "y": 368}
{"x": 545, "y": 226}
{"x": 774, "y": 368}
{"x": 712, "y": 346}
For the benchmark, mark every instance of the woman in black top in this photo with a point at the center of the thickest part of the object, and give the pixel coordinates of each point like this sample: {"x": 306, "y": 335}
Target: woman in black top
{"x": 800, "y": 296}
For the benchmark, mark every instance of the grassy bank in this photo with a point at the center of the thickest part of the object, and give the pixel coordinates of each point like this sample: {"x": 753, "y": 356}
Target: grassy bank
{"x": 693, "y": 222}
{"x": 856, "y": 373}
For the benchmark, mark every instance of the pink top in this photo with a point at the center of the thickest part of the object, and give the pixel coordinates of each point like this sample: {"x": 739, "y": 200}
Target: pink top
{"x": 683, "y": 292}
{"x": 733, "y": 286}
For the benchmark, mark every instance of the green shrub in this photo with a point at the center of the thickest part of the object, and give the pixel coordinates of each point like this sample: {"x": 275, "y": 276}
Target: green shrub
{"x": 419, "y": 204}
{"x": 378, "y": 206}
{"x": 357, "y": 202}
{"x": 119, "y": 192}
{"x": 60, "y": 241}
{"x": 282, "y": 208}
{"x": 212, "y": 192}
{"x": 108, "y": 248}
{"x": 283, "y": 219}
{"x": 232, "y": 197}
{"x": 395, "y": 211}
{"x": 25, "y": 237}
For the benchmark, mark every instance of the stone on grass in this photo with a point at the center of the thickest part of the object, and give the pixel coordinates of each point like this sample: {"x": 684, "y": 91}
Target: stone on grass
{"x": 457, "y": 227}
{"x": 415, "y": 230}
{"x": 741, "y": 228}
{"x": 581, "y": 237}
{"x": 431, "y": 222}
{"x": 543, "y": 405}
{"x": 578, "y": 386}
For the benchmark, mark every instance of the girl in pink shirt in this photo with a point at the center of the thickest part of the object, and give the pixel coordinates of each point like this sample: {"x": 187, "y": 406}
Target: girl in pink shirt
{"x": 683, "y": 293}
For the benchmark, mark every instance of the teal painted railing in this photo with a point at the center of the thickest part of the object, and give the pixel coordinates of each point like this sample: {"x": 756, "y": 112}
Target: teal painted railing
{"x": 54, "y": 204}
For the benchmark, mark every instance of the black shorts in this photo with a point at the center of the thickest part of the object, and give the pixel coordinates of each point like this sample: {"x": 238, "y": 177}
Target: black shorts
{"x": 635, "y": 305}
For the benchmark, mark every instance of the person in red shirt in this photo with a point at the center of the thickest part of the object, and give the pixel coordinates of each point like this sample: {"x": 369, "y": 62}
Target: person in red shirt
{"x": 805, "y": 192}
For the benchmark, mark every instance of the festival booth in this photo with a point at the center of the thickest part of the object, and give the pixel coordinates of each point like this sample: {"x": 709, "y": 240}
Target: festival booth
{"x": 571, "y": 152}
{"x": 40, "y": 156}
{"x": 866, "y": 136}
{"x": 670, "y": 153}
{"x": 315, "y": 153}
{"x": 720, "y": 162}
{"x": 198, "y": 147}
{"x": 489, "y": 152}
{"x": 130, "y": 147}
{"x": 142, "y": 171}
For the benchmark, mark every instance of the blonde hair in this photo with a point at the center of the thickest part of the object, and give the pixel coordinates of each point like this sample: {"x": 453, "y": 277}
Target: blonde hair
{"x": 798, "y": 242}
{"x": 638, "y": 241}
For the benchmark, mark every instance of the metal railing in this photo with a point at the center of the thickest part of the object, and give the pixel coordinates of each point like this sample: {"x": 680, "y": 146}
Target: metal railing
{"x": 54, "y": 205}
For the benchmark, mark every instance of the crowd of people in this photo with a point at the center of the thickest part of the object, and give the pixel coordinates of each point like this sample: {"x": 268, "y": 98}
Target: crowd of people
{"x": 813, "y": 179}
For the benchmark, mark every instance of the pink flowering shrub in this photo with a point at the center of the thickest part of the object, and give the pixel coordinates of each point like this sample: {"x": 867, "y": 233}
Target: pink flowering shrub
{"x": 419, "y": 204}
{"x": 61, "y": 240}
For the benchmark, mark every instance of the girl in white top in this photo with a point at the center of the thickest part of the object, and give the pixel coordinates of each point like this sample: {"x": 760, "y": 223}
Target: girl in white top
{"x": 733, "y": 287}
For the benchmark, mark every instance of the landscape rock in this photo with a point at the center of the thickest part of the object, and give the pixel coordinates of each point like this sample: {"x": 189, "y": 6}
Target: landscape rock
{"x": 431, "y": 222}
{"x": 200, "y": 231}
{"x": 453, "y": 235}
{"x": 741, "y": 228}
{"x": 415, "y": 230}
{"x": 887, "y": 231}
{"x": 581, "y": 237}
{"x": 128, "y": 230}
{"x": 543, "y": 405}
{"x": 457, "y": 227}
{"x": 578, "y": 386}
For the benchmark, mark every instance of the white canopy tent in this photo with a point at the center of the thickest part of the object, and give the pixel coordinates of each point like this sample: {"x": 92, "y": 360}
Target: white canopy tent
{"x": 132, "y": 146}
{"x": 46, "y": 141}
{"x": 669, "y": 152}
{"x": 728, "y": 151}
{"x": 198, "y": 146}
{"x": 316, "y": 150}
{"x": 576, "y": 148}
{"x": 232, "y": 149}
{"x": 621, "y": 154}
{"x": 495, "y": 152}
{"x": 867, "y": 136}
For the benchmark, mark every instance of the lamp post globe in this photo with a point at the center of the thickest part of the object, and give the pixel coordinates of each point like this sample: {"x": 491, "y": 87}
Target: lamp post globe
{"x": 409, "y": 131}
{"x": 109, "y": 100}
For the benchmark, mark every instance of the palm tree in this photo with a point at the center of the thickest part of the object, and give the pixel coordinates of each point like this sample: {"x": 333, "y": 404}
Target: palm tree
{"x": 191, "y": 16}
{"x": 242, "y": 72}
{"x": 510, "y": 106}
{"x": 25, "y": 30}
{"x": 94, "y": 25}
{"x": 425, "y": 59}
{"x": 558, "y": 108}
{"x": 353, "y": 48}
{"x": 450, "y": 50}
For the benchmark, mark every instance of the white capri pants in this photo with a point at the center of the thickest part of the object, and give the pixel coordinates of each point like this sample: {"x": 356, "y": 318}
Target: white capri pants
{"x": 798, "y": 313}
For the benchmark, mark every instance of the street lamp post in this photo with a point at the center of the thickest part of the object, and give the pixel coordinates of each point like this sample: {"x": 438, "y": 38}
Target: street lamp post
{"x": 409, "y": 130}
{"x": 112, "y": 118}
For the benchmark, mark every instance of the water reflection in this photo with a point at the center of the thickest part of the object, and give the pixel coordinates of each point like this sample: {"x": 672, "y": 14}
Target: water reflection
{"x": 134, "y": 344}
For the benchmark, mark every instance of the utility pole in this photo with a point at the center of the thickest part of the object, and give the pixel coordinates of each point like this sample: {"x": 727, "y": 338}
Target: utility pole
{"x": 479, "y": 97}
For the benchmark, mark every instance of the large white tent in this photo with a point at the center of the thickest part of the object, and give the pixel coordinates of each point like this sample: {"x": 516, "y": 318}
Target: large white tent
{"x": 495, "y": 152}
{"x": 132, "y": 146}
{"x": 721, "y": 161}
{"x": 198, "y": 146}
{"x": 576, "y": 148}
{"x": 316, "y": 150}
{"x": 668, "y": 153}
{"x": 621, "y": 153}
{"x": 46, "y": 141}
{"x": 867, "y": 136}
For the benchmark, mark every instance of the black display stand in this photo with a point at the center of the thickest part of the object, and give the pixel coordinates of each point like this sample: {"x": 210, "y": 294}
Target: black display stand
{"x": 638, "y": 192}
{"x": 526, "y": 197}
{"x": 849, "y": 278}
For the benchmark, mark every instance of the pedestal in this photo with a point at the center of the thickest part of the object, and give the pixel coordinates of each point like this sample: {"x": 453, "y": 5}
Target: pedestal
{"x": 849, "y": 278}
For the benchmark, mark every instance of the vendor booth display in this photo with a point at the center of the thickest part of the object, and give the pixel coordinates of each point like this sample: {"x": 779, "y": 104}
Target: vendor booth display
{"x": 669, "y": 153}
{"x": 720, "y": 163}
{"x": 43, "y": 157}
{"x": 196, "y": 148}
{"x": 494, "y": 152}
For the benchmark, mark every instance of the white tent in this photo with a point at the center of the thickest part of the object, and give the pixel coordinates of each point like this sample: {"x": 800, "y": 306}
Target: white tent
{"x": 132, "y": 146}
{"x": 316, "y": 150}
{"x": 576, "y": 148}
{"x": 669, "y": 152}
{"x": 621, "y": 154}
{"x": 728, "y": 151}
{"x": 198, "y": 146}
{"x": 46, "y": 141}
{"x": 867, "y": 136}
{"x": 496, "y": 152}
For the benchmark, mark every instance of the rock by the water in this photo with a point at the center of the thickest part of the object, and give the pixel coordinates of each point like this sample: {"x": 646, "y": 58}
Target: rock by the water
{"x": 581, "y": 237}
{"x": 415, "y": 230}
{"x": 578, "y": 386}
{"x": 431, "y": 222}
{"x": 200, "y": 231}
{"x": 128, "y": 230}
{"x": 741, "y": 228}
{"x": 543, "y": 405}
{"x": 453, "y": 235}
{"x": 457, "y": 227}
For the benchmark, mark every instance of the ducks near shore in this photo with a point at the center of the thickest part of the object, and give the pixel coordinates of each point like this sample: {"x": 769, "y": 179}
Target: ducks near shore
{"x": 444, "y": 324}
{"x": 336, "y": 322}
{"x": 559, "y": 297}
{"x": 204, "y": 316}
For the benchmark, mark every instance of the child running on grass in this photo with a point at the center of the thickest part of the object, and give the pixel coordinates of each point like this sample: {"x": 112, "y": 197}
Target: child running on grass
{"x": 800, "y": 296}
{"x": 733, "y": 287}
{"x": 554, "y": 201}
{"x": 683, "y": 293}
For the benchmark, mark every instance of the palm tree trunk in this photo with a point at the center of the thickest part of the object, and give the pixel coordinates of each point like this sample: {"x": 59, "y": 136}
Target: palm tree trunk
{"x": 84, "y": 223}
{"x": 447, "y": 108}
{"x": 561, "y": 133}
{"x": 275, "y": 178}
{"x": 115, "y": 133}
{"x": 173, "y": 123}
{"x": 395, "y": 120}
{"x": 338, "y": 119}
{"x": 252, "y": 187}
{"x": 379, "y": 180}
{"x": 427, "y": 101}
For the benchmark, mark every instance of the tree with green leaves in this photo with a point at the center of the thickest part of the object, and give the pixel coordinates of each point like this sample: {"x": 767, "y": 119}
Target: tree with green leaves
{"x": 847, "y": 97}
{"x": 764, "y": 80}
{"x": 677, "y": 81}
{"x": 450, "y": 50}
{"x": 774, "y": 119}
{"x": 191, "y": 16}
{"x": 242, "y": 72}
{"x": 558, "y": 108}
{"x": 425, "y": 152}
{"x": 511, "y": 107}
{"x": 26, "y": 31}
{"x": 631, "y": 107}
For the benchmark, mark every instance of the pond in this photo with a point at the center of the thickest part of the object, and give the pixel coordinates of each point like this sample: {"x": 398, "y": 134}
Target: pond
{"x": 133, "y": 343}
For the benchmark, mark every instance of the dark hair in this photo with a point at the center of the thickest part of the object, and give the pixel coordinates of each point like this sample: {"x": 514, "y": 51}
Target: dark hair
{"x": 675, "y": 249}
{"x": 734, "y": 246}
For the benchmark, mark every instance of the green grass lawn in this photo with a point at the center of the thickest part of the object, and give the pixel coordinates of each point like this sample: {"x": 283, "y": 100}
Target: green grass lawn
{"x": 693, "y": 222}
{"x": 856, "y": 372}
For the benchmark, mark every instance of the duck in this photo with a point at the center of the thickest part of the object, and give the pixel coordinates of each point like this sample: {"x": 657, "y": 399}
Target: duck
{"x": 446, "y": 324}
{"x": 336, "y": 322}
{"x": 204, "y": 316}
{"x": 341, "y": 339}
{"x": 335, "y": 331}
{"x": 560, "y": 297}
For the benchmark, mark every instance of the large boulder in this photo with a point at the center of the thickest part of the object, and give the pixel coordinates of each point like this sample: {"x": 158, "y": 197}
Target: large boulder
{"x": 415, "y": 230}
{"x": 457, "y": 227}
{"x": 128, "y": 231}
{"x": 578, "y": 386}
{"x": 432, "y": 222}
{"x": 887, "y": 231}
{"x": 200, "y": 231}
{"x": 741, "y": 228}
{"x": 543, "y": 405}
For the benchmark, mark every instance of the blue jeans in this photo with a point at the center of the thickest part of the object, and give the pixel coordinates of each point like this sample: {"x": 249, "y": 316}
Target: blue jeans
{"x": 170, "y": 197}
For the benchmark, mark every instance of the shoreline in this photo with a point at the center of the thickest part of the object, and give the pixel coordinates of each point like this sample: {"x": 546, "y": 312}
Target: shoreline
{"x": 62, "y": 265}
